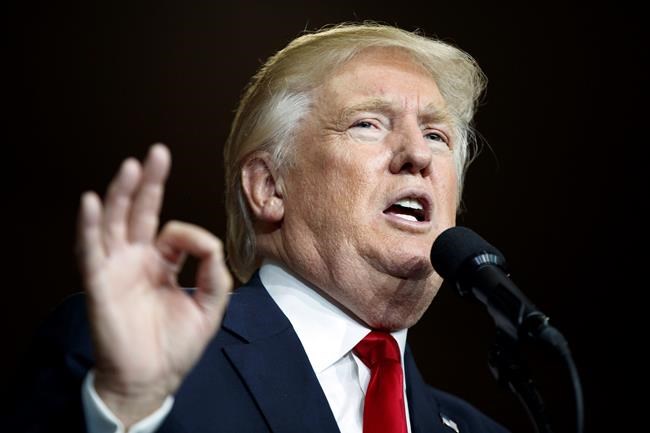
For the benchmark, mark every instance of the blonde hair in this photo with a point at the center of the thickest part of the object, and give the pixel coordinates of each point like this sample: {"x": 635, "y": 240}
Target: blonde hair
{"x": 279, "y": 95}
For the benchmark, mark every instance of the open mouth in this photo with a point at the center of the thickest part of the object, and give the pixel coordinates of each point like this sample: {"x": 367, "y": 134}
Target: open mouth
{"x": 410, "y": 209}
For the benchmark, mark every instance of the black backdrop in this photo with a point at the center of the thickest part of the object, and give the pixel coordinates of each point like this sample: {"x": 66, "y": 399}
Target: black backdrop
{"x": 555, "y": 188}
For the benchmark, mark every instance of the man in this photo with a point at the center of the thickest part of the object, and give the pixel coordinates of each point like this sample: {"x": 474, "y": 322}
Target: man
{"x": 344, "y": 163}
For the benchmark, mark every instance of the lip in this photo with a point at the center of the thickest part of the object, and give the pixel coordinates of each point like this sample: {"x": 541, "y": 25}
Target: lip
{"x": 422, "y": 196}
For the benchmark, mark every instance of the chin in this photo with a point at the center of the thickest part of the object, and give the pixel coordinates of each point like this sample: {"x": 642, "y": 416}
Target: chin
{"x": 410, "y": 268}
{"x": 403, "y": 304}
{"x": 397, "y": 319}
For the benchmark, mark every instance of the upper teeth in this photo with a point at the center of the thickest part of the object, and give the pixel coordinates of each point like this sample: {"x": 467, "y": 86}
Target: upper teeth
{"x": 409, "y": 203}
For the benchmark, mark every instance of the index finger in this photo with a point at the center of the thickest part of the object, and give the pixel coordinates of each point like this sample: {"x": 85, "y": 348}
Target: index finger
{"x": 144, "y": 217}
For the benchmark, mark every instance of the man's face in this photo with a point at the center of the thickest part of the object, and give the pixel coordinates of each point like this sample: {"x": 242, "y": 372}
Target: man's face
{"x": 372, "y": 185}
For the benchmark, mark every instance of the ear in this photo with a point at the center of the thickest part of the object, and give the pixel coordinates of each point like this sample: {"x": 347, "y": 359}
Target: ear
{"x": 262, "y": 188}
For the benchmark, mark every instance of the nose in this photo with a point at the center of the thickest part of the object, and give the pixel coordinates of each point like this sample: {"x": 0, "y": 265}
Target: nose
{"x": 412, "y": 154}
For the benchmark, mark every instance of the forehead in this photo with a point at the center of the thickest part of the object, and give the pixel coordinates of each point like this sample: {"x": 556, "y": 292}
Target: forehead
{"x": 382, "y": 77}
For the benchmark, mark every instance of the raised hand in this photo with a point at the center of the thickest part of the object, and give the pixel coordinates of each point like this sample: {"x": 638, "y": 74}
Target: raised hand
{"x": 147, "y": 332}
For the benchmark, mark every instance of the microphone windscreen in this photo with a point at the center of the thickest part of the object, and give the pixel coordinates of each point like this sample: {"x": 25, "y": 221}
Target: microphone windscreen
{"x": 454, "y": 247}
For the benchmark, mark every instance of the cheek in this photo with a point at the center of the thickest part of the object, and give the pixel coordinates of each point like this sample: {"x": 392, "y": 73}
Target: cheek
{"x": 446, "y": 186}
{"x": 337, "y": 182}
{"x": 451, "y": 197}
{"x": 319, "y": 197}
{"x": 346, "y": 190}
{"x": 347, "y": 177}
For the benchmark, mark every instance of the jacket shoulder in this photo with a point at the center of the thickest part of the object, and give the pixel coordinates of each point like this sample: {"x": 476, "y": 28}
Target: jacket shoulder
{"x": 45, "y": 391}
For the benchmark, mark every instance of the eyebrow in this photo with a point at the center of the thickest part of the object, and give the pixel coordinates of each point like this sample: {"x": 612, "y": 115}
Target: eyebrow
{"x": 430, "y": 113}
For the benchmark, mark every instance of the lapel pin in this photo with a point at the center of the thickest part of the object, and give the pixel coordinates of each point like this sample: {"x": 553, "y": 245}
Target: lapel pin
{"x": 449, "y": 423}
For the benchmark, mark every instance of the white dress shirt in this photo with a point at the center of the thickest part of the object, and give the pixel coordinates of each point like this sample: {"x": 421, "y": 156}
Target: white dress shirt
{"x": 328, "y": 336}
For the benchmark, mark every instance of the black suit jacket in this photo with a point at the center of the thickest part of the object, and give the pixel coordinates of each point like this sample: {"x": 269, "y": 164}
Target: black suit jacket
{"x": 254, "y": 376}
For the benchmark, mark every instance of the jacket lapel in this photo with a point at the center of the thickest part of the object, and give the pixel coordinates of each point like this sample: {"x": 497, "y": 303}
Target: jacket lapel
{"x": 424, "y": 411}
{"x": 273, "y": 364}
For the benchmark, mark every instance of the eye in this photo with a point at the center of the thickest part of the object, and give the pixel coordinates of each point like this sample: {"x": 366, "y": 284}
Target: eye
{"x": 437, "y": 137}
{"x": 369, "y": 129}
{"x": 363, "y": 124}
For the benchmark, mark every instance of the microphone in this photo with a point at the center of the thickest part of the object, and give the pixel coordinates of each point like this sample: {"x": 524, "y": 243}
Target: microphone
{"x": 478, "y": 270}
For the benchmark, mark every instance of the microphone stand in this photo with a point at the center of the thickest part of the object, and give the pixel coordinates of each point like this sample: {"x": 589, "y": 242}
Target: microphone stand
{"x": 517, "y": 321}
{"x": 509, "y": 369}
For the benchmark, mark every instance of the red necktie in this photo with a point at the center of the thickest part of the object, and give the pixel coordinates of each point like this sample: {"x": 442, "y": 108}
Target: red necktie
{"x": 383, "y": 410}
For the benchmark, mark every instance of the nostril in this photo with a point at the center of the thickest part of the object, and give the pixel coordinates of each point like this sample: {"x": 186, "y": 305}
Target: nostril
{"x": 407, "y": 167}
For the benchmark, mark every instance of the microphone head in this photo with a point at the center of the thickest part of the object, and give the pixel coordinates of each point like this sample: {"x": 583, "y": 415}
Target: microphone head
{"x": 455, "y": 247}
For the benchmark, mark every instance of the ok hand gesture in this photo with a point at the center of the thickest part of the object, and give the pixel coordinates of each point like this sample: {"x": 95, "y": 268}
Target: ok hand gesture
{"x": 147, "y": 332}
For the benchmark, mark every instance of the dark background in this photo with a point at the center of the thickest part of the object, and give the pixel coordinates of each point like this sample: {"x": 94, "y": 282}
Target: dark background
{"x": 555, "y": 188}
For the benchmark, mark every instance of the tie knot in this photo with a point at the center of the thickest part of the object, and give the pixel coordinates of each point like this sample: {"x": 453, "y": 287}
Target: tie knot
{"x": 377, "y": 347}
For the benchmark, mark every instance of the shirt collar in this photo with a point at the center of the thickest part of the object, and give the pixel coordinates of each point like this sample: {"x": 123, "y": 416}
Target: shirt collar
{"x": 325, "y": 331}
